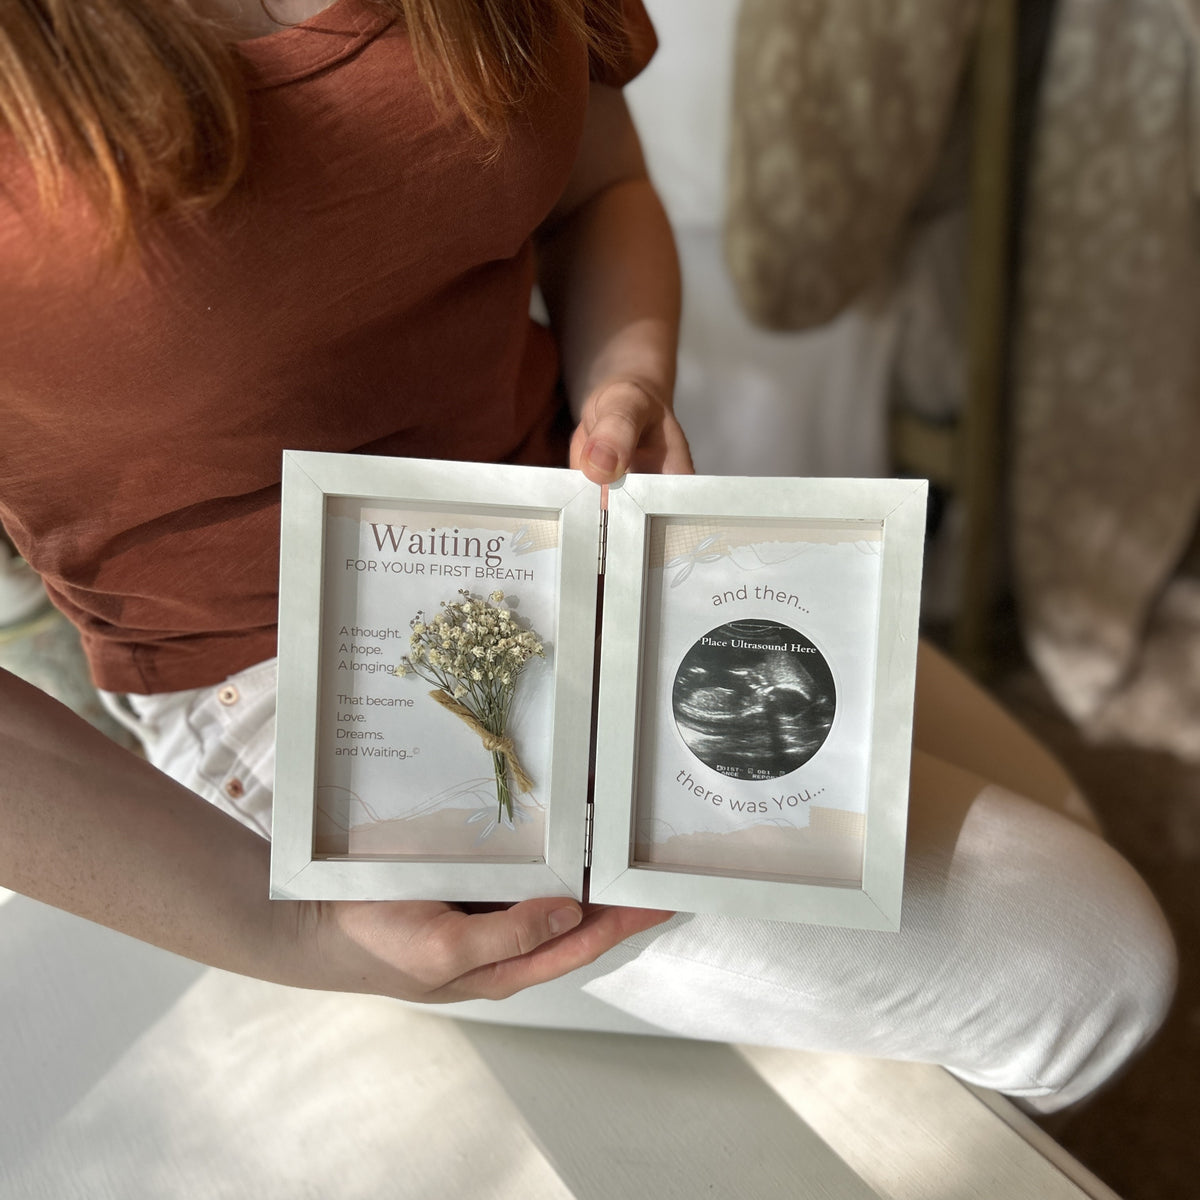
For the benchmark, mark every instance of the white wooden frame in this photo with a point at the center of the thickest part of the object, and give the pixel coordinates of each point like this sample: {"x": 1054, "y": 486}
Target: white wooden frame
{"x": 899, "y": 508}
{"x": 308, "y": 480}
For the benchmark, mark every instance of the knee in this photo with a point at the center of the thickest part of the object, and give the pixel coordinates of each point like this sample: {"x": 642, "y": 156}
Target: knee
{"x": 1084, "y": 968}
{"x": 1116, "y": 989}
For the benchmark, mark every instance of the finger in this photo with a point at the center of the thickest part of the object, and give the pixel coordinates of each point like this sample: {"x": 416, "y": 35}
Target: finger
{"x": 600, "y": 930}
{"x": 614, "y": 423}
{"x": 664, "y": 451}
{"x": 460, "y": 942}
{"x": 678, "y": 459}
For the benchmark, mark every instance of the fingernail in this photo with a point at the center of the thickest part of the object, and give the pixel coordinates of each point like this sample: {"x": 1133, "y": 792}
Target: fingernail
{"x": 603, "y": 458}
{"x": 562, "y": 919}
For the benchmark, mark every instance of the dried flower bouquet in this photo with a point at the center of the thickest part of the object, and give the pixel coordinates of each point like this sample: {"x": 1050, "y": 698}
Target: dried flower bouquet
{"x": 472, "y": 651}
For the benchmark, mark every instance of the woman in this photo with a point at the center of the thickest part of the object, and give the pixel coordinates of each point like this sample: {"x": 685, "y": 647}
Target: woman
{"x": 325, "y": 237}
{"x": 361, "y": 283}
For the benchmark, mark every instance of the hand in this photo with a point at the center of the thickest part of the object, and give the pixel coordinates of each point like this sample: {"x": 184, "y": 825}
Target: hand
{"x": 436, "y": 953}
{"x": 625, "y": 428}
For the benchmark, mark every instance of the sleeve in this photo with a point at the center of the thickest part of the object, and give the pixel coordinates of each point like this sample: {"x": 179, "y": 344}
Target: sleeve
{"x": 626, "y": 38}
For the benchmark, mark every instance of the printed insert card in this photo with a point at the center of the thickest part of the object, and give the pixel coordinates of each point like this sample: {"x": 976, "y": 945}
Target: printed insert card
{"x": 423, "y": 599}
{"x": 745, "y": 747}
{"x": 757, "y": 696}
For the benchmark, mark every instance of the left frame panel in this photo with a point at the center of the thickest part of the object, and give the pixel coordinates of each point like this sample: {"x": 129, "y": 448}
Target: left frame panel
{"x": 382, "y": 790}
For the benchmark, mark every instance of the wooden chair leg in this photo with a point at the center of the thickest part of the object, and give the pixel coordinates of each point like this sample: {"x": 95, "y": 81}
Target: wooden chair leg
{"x": 981, "y": 441}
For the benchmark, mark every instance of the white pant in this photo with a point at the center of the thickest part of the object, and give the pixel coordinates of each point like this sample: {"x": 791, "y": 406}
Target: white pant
{"x": 1032, "y": 958}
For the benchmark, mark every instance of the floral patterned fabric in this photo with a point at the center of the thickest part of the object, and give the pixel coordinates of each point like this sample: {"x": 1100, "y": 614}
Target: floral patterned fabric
{"x": 840, "y": 112}
{"x": 1107, "y": 405}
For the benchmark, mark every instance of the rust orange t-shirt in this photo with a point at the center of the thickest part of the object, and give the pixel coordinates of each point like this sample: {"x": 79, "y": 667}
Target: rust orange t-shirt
{"x": 366, "y": 289}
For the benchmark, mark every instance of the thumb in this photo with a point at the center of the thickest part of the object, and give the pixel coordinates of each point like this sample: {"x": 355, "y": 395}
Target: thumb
{"x": 614, "y": 420}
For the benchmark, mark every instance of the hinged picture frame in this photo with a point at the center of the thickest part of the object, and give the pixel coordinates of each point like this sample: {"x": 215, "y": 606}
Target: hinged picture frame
{"x": 751, "y": 730}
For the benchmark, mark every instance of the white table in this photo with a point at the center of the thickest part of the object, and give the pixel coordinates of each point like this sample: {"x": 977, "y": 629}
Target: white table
{"x": 128, "y": 1073}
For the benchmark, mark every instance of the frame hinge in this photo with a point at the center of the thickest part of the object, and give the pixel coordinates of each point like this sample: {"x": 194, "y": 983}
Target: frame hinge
{"x": 602, "y": 554}
{"x": 587, "y": 843}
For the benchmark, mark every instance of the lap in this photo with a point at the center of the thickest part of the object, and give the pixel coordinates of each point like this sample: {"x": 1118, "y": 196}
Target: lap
{"x": 1022, "y": 932}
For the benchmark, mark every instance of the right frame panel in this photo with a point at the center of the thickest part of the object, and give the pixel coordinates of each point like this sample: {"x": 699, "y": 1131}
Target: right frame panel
{"x": 756, "y": 687}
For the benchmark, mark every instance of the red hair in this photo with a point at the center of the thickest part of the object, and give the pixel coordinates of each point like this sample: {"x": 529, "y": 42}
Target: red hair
{"x": 142, "y": 103}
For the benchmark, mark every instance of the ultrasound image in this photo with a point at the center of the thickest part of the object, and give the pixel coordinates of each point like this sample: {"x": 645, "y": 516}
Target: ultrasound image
{"x": 754, "y": 699}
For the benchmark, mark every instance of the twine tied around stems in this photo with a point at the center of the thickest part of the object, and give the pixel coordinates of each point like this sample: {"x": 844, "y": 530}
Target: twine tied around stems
{"x": 496, "y": 743}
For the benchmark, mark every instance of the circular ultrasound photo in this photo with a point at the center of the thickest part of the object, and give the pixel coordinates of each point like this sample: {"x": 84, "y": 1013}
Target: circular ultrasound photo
{"x": 754, "y": 699}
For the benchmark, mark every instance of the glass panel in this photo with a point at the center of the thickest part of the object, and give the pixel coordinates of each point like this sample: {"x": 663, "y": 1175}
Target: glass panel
{"x": 756, "y": 696}
{"x": 401, "y": 775}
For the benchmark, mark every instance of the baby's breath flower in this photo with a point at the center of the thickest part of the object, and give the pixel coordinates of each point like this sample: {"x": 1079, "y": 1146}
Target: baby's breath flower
{"x": 473, "y": 650}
